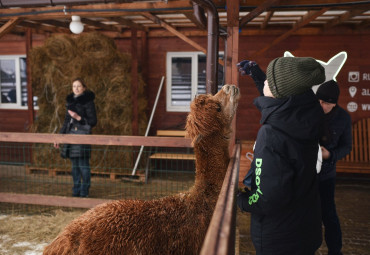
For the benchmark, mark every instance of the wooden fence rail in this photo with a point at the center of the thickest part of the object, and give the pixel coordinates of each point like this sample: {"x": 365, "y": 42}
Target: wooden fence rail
{"x": 220, "y": 238}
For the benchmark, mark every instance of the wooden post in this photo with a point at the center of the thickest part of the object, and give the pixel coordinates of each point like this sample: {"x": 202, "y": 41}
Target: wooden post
{"x": 144, "y": 55}
{"x": 232, "y": 52}
{"x": 29, "y": 79}
{"x": 134, "y": 82}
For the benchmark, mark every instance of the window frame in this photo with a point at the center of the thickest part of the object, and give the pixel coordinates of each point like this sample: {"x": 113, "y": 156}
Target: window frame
{"x": 18, "y": 105}
{"x": 194, "y": 79}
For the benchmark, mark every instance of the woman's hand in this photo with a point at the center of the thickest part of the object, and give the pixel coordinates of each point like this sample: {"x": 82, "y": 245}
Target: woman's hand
{"x": 74, "y": 115}
{"x": 325, "y": 153}
{"x": 56, "y": 145}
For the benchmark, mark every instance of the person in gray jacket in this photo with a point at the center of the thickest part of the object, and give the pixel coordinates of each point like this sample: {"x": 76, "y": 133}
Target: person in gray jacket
{"x": 283, "y": 198}
{"x": 79, "y": 119}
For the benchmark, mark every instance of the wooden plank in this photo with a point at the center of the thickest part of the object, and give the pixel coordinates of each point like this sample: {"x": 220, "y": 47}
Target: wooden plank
{"x": 30, "y": 108}
{"x": 51, "y": 200}
{"x": 103, "y": 10}
{"x": 163, "y": 24}
{"x": 342, "y": 18}
{"x": 134, "y": 83}
{"x": 55, "y": 171}
{"x": 368, "y": 138}
{"x": 257, "y": 11}
{"x": 180, "y": 133}
{"x": 152, "y": 141}
{"x": 311, "y": 16}
{"x": 178, "y": 156}
{"x": 266, "y": 19}
{"x": 360, "y": 145}
{"x": 358, "y": 159}
{"x": 365, "y": 129}
{"x": 8, "y": 26}
{"x": 355, "y": 143}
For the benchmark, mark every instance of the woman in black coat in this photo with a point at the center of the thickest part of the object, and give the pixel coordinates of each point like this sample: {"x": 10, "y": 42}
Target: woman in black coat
{"x": 283, "y": 196}
{"x": 79, "y": 119}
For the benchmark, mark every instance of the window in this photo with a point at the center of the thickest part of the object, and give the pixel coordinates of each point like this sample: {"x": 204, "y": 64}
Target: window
{"x": 186, "y": 77}
{"x": 13, "y": 82}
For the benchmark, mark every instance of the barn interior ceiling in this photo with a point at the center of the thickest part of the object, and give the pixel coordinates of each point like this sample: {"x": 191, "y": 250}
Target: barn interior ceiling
{"x": 117, "y": 18}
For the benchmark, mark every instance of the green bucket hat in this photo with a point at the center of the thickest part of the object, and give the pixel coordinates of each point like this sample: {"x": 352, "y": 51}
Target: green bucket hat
{"x": 288, "y": 76}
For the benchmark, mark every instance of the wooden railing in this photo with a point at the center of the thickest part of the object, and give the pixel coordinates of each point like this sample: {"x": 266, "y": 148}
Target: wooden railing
{"x": 358, "y": 161}
{"x": 220, "y": 238}
{"x": 36, "y": 199}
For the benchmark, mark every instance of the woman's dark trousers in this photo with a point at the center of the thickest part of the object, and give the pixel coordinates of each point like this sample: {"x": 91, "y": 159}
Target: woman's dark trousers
{"x": 81, "y": 170}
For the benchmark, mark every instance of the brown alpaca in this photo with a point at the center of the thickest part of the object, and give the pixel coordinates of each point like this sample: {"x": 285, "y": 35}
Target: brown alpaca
{"x": 170, "y": 225}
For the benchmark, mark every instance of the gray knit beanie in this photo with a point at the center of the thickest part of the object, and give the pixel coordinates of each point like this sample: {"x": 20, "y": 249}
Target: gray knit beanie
{"x": 288, "y": 76}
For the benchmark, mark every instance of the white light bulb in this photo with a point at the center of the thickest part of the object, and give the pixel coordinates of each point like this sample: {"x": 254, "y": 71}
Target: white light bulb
{"x": 76, "y": 26}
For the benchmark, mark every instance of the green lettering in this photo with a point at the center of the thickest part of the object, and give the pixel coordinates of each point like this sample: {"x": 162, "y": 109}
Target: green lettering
{"x": 259, "y": 190}
{"x": 258, "y": 171}
{"x": 258, "y": 162}
{"x": 258, "y": 181}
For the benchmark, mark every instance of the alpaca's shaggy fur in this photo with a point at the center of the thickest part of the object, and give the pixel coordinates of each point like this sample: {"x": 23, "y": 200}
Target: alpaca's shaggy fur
{"x": 171, "y": 225}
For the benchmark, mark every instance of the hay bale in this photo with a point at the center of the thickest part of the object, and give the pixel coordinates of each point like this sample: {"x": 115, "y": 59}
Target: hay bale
{"x": 106, "y": 71}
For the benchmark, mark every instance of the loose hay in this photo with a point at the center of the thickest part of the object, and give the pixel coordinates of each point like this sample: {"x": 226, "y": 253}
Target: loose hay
{"x": 106, "y": 71}
{"x": 31, "y": 233}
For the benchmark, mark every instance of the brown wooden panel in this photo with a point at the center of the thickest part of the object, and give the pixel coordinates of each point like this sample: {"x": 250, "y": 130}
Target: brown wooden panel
{"x": 322, "y": 47}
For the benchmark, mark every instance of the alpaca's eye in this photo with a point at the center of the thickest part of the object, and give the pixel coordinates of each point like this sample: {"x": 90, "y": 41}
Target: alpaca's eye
{"x": 219, "y": 107}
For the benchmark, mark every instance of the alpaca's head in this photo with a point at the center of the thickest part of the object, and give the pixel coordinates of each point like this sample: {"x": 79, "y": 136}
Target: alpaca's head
{"x": 212, "y": 115}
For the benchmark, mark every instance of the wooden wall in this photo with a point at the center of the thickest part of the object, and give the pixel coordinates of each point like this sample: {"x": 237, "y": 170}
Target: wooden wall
{"x": 319, "y": 47}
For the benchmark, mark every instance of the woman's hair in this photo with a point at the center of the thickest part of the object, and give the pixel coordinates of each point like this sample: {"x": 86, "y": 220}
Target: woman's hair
{"x": 80, "y": 80}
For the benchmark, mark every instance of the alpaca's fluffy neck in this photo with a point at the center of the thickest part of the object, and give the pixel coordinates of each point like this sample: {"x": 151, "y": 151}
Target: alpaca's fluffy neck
{"x": 212, "y": 158}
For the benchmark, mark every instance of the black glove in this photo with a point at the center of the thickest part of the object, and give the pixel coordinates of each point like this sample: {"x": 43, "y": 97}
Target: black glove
{"x": 242, "y": 198}
{"x": 245, "y": 67}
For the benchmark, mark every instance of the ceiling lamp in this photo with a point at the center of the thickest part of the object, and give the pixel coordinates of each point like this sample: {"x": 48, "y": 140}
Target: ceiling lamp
{"x": 76, "y": 26}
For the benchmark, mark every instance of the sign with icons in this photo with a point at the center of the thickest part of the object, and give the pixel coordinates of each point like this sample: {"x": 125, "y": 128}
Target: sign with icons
{"x": 352, "y": 91}
{"x": 353, "y": 76}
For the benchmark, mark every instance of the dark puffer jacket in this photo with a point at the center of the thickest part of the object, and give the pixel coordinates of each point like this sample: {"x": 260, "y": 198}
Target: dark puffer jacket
{"x": 284, "y": 196}
{"x": 338, "y": 140}
{"x": 84, "y": 106}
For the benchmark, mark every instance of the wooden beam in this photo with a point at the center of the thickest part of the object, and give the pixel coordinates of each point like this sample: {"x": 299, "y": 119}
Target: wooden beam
{"x": 232, "y": 55}
{"x": 342, "y": 18}
{"x": 163, "y": 24}
{"x": 261, "y": 8}
{"x": 363, "y": 25}
{"x": 134, "y": 83}
{"x": 29, "y": 79}
{"x": 144, "y": 56}
{"x": 101, "y": 25}
{"x": 129, "y": 23}
{"x": 41, "y": 27}
{"x": 308, "y": 18}
{"x": 56, "y": 23}
{"x": 266, "y": 19}
{"x": 102, "y": 10}
{"x": 8, "y": 26}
